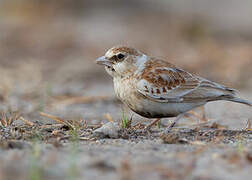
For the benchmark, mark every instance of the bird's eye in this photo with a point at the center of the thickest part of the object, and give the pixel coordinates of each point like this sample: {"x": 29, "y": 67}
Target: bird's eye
{"x": 120, "y": 56}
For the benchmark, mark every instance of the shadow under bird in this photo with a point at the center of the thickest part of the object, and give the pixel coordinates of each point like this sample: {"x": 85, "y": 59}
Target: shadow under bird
{"x": 154, "y": 88}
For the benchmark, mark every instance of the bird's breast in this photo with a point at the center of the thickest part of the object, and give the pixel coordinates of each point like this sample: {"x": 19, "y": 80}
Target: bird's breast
{"x": 124, "y": 89}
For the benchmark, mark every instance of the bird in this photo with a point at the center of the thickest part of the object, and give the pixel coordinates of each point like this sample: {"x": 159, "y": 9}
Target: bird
{"x": 155, "y": 88}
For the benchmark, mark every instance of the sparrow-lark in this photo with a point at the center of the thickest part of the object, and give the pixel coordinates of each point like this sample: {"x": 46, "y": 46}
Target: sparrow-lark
{"x": 154, "y": 88}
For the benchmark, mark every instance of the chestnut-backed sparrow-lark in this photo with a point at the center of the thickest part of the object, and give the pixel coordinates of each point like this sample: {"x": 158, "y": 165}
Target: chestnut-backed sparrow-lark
{"x": 154, "y": 88}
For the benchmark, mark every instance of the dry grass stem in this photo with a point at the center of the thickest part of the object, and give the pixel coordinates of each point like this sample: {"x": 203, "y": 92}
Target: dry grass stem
{"x": 59, "y": 120}
{"x": 29, "y": 123}
{"x": 7, "y": 120}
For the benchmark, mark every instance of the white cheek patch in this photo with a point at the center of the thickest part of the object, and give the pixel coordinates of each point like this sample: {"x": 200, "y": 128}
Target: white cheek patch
{"x": 141, "y": 62}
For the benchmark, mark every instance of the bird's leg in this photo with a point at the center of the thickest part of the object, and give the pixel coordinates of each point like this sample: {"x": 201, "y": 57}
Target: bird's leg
{"x": 147, "y": 128}
{"x": 168, "y": 129}
{"x": 204, "y": 114}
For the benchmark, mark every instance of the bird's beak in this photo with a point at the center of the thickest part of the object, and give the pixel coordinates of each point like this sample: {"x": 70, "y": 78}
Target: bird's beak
{"x": 103, "y": 61}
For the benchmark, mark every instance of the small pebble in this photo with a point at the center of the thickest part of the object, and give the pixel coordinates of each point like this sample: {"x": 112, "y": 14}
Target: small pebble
{"x": 110, "y": 129}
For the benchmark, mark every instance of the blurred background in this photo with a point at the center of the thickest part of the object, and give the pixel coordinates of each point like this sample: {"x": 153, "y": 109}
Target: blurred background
{"x": 48, "y": 48}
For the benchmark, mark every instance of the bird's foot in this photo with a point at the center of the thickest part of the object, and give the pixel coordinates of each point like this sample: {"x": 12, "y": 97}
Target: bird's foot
{"x": 169, "y": 128}
{"x": 147, "y": 128}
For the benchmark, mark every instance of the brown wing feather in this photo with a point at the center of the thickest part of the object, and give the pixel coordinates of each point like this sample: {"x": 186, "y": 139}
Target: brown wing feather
{"x": 163, "y": 82}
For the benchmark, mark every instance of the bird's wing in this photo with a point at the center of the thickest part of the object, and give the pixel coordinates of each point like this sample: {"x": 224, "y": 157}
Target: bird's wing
{"x": 163, "y": 82}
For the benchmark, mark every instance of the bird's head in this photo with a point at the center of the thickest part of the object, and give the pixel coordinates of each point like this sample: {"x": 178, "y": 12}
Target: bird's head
{"x": 122, "y": 61}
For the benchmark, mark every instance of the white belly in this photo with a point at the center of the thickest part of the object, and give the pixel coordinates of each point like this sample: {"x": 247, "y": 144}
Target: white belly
{"x": 148, "y": 108}
{"x": 158, "y": 110}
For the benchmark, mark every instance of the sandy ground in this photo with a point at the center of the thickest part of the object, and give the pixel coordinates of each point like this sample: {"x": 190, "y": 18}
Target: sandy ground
{"x": 33, "y": 151}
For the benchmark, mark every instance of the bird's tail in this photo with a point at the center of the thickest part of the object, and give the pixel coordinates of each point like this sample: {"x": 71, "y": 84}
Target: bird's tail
{"x": 239, "y": 100}
{"x": 226, "y": 93}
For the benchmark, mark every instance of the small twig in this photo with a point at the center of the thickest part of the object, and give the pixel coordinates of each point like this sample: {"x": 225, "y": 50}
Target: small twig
{"x": 59, "y": 120}
{"x": 29, "y": 123}
{"x": 87, "y": 139}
